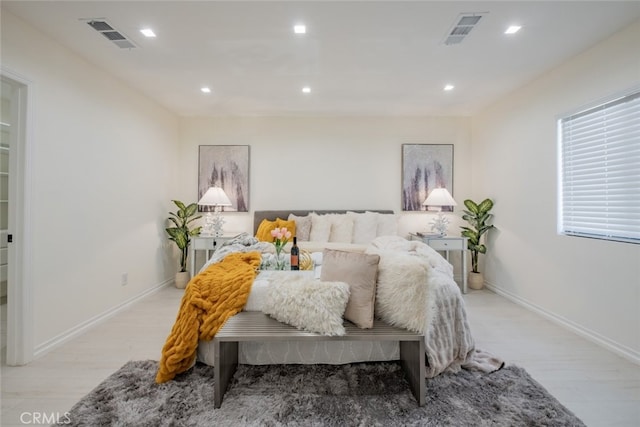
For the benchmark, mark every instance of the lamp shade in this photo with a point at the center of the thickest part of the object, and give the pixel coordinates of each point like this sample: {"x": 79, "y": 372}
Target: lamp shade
{"x": 215, "y": 196}
{"x": 439, "y": 197}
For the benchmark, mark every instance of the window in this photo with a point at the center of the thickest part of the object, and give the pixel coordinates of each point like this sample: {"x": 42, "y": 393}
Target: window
{"x": 600, "y": 171}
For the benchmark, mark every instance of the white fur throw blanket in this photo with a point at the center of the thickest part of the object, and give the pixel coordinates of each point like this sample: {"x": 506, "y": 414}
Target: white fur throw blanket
{"x": 416, "y": 291}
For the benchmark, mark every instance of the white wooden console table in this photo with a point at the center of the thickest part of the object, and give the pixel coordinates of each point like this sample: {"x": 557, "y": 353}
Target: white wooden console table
{"x": 207, "y": 244}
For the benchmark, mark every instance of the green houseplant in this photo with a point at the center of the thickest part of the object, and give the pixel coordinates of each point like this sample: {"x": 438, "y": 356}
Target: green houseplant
{"x": 478, "y": 217}
{"x": 181, "y": 234}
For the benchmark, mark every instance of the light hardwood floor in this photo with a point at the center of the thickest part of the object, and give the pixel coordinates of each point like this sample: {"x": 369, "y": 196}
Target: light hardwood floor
{"x": 598, "y": 386}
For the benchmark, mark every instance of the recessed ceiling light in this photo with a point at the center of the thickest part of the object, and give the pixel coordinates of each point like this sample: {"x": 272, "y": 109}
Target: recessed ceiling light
{"x": 148, "y": 32}
{"x": 306, "y": 89}
{"x": 299, "y": 29}
{"x": 449, "y": 87}
{"x": 512, "y": 29}
{"x": 205, "y": 90}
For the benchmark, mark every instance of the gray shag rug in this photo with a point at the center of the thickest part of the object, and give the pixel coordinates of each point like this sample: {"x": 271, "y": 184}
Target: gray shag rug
{"x": 364, "y": 394}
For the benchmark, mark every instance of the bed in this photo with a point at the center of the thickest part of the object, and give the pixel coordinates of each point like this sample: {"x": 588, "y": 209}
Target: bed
{"x": 432, "y": 305}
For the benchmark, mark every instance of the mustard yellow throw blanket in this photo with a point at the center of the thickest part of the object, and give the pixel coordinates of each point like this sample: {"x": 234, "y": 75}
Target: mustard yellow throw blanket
{"x": 211, "y": 297}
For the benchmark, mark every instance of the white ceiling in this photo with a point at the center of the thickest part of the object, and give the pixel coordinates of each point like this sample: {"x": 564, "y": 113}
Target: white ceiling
{"x": 359, "y": 58}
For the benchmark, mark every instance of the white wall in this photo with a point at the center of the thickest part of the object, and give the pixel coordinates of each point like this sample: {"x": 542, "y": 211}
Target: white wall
{"x": 326, "y": 162}
{"x": 103, "y": 174}
{"x": 591, "y": 285}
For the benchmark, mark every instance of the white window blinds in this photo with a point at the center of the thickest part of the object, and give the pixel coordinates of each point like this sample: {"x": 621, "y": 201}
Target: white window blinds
{"x": 600, "y": 171}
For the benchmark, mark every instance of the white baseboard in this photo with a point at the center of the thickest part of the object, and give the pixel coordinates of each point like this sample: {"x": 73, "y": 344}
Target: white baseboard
{"x": 615, "y": 347}
{"x": 58, "y": 340}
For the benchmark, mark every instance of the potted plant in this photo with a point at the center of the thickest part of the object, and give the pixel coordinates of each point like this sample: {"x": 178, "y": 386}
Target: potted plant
{"x": 181, "y": 235}
{"x": 478, "y": 217}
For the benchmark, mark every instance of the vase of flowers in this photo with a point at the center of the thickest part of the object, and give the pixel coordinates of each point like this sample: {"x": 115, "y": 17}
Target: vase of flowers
{"x": 280, "y": 238}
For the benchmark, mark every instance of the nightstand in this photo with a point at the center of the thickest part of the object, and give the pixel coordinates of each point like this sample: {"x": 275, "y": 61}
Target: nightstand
{"x": 205, "y": 243}
{"x": 446, "y": 244}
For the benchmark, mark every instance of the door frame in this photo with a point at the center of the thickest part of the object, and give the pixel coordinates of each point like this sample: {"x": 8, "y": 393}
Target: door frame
{"x": 20, "y": 330}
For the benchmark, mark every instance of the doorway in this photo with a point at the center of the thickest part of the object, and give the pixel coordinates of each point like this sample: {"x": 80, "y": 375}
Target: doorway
{"x": 5, "y": 157}
{"x": 15, "y": 307}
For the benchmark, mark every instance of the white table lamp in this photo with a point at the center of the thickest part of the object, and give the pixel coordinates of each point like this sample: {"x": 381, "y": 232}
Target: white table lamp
{"x": 439, "y": 197}
{"x": 214, "y": 222}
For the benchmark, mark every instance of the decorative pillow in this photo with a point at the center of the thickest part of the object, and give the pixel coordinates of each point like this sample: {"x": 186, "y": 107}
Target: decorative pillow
{"x": 387, "y": 225}
{"x": 290, "y": 225}
{"x": 306, "y": 303}
{"x": 360, "y": 272}
{"x": 320, "y": 228}
{"x": 365, "y": 227}
{"x": 341, "y": 228}
{"x": 303, "y": 226}
{"x": 264, "y": 230}
{"x": 306, "y": 261}
{"x": 401, "y": 293}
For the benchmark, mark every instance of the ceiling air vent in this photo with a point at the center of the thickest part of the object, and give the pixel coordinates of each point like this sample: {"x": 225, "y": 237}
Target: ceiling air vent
{"x": 462, "y": 27}
{"x": 110, "y": 33}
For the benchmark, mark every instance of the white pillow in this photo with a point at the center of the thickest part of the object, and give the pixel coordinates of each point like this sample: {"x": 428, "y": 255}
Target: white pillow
{"x": 303, "y": 226}
{"x": 365, "y": 226}
{"x": 341, "y": 228}
{"x": 387, "y": 225}
{"x": 307, "y": 303}
{"x": 320, "y": 228}
{"x": 401, "y": 291}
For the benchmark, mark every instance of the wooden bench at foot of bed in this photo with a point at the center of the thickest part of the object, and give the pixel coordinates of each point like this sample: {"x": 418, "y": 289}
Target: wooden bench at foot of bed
{"x": 257, "y": 326}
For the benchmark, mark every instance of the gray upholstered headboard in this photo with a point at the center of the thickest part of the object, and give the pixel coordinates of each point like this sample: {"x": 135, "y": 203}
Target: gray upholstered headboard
{"x": 258, "y": 216}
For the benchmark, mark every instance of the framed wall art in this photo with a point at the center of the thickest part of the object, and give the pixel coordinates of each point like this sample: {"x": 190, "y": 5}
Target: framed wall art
{"x": 425, "y": 167}
{"x": 225, "y": 166}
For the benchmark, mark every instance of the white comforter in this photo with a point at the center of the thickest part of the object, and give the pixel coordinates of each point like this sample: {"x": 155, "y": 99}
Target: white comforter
{"x": 448, "y": 341}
